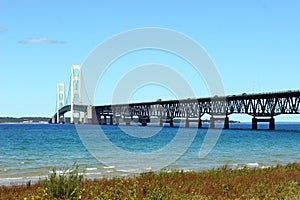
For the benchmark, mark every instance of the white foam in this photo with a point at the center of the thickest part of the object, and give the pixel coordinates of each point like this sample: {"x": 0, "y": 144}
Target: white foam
{"x": 91, "y": 169}
{"x": 148, "y": 169}
{"x": 20, "y": 180}
{"x": 61, "y": 171}
{"x": 94, "y": 173}
{"x": 12, "y": 178}
{"x": 108, "y": 167}
{"x": 252, "y": 164}
{"x": 128, "y": 171}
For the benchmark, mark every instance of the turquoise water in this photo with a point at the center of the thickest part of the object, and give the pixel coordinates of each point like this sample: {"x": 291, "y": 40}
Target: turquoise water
{"x": 28, "y": 152}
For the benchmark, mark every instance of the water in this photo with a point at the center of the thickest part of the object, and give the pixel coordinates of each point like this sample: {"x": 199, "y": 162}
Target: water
{"x": 29, "y": 152}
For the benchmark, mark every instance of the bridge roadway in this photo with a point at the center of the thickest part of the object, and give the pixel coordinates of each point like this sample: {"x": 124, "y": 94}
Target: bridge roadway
{"x": 262, "y": 107}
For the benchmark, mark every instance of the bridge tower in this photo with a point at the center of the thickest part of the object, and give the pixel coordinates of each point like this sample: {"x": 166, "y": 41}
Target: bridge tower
{"x": 76, "y": 95}
{"x": 60, "y": 99}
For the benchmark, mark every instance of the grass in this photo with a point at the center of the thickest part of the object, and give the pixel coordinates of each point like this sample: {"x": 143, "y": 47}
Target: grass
{"x": 279, "y": 182}
{"x": 65, "y": 185}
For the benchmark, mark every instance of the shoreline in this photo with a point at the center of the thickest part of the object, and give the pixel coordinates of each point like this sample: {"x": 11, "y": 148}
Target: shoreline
{"x": 110, "y": 172}
{"x": 278, "y": 182}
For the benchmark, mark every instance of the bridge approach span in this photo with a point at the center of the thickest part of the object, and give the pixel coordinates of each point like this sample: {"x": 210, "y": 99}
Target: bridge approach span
{"x": 262, "y": 107}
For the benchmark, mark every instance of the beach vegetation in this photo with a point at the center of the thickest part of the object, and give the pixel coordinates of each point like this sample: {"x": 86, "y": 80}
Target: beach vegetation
{"x": 66, "y": 184}
{"x": 278, "y": 182}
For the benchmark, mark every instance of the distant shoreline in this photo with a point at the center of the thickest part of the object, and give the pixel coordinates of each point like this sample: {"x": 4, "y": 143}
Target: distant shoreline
{"x": 15, "y": 123}
{"x": 24, "y": 120}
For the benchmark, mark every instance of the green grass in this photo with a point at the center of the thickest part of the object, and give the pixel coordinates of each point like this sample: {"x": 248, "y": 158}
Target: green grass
{"x": 67, "y": 185}
{"x": 279, "y": 182}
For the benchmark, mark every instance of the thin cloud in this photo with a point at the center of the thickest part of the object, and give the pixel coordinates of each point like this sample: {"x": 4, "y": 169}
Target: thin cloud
{"x": 41, "y": 41}
{"x": 2, "y": 29}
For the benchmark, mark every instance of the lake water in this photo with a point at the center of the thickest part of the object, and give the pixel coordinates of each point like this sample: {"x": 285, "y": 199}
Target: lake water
{"x": 29, "y": 152}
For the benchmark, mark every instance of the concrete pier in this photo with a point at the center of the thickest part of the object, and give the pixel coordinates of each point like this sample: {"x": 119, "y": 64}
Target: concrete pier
{"x": 212, "y": 122}
{"x": 111, "y": 122}
{"x": 214, "y": 119}
{"x": 199, "y": 123}
{"x": 161, "y": 122}
{"x": 226, "y": 123}
{"x": 187, "y": 123}
{"x": 144, "y": 120}
{"x": 171, "y": 123}
{"x": 270, "y": 120}
{"x": 190, "y": 120}
{"x": 117, "y": 120}
{"x": 91, "y": 115}
{"x": 127, "y": 121}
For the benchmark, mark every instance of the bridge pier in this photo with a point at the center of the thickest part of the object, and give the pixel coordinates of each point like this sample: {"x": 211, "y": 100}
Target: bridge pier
{"x": 212, "y": 122}
{"x": 254, "y": 123}
{"x": 58, "y": 121}
{"x": 91, "y": 115}
{"x": 270, "y": 120}
{"x": 226, "y": 123}
{"x": 111, "y": 120}
{"x": 189, "y": 120}
{"x": 53, "y": 120}
{"x": 161, "y": 122}
{"x": 80, "y": 118}
{"x": 85, "y": 118}
{"x": 225, "y": 119}
{"x": 127, "y": 121}
{"x": 199, "y": 123}
{"x": 187, "y": 123}
{"x": 171, "y": 122}
{"x": 103, "y": 120}
{"x": 117, "y": 120}
{"x": 144, "y": 120}
{"x": 272, "y": 124}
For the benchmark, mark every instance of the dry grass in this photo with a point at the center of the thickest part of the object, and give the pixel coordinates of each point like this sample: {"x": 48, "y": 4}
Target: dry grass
{"x": 280, "y": 182}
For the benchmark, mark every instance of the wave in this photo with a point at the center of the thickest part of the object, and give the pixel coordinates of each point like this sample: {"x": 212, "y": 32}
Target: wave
{"x": 91, "y": 169}
{"x": 252, "y": 164}
{"x": 61, "y": 171}
{"x": 128, "y": 170}
{"x": 147, "y": 169}
{"x": 94, "y": 173}
{"x": 14, "y": 181}
{"x": 108, "y": 167}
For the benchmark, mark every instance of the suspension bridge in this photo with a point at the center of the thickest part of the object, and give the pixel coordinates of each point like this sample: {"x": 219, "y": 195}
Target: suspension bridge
{"x": 262, "y": 107}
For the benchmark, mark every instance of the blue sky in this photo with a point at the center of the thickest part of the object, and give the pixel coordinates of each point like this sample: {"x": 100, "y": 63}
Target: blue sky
{"x": 254, "y": 44}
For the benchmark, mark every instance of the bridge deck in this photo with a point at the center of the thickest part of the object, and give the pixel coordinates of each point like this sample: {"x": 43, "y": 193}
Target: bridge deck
{"x": 256, "y": 105}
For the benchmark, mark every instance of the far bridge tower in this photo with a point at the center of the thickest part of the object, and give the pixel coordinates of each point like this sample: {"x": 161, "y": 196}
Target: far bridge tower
{"x": 60, "y": 99}
{"x": 76, "y": 95}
